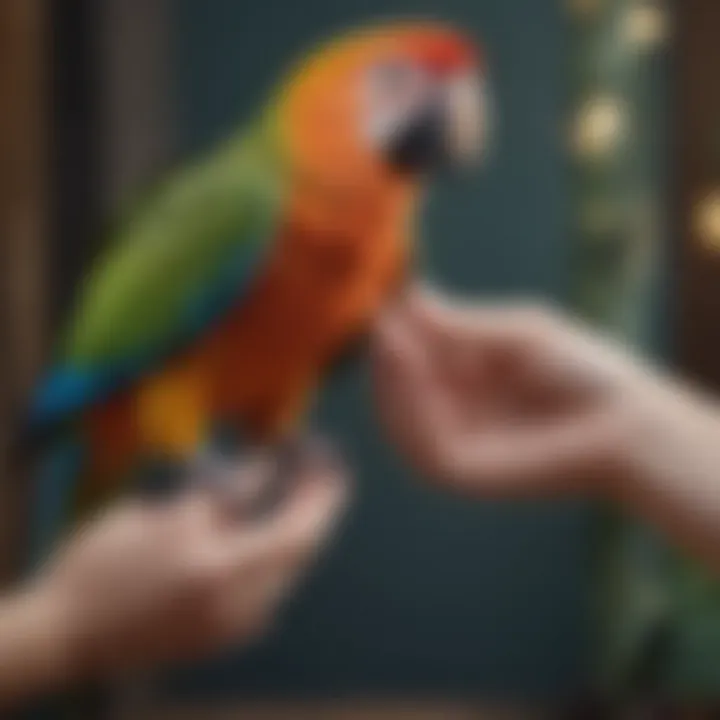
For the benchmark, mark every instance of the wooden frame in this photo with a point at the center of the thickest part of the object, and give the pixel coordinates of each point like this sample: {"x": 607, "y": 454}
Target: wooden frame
{"x": 338, "y": 710}
{"x": 697, "y": 161}
{"x": 23, "y": 225}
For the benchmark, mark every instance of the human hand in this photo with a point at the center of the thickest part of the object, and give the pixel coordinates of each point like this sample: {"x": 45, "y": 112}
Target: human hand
{"x": 502, "y": 401}
{"x": 511, "y": 400}
{"x": 149, "y": 583}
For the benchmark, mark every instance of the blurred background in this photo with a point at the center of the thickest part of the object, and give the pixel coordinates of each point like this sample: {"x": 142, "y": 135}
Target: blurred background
{"x": 602, "y": 192}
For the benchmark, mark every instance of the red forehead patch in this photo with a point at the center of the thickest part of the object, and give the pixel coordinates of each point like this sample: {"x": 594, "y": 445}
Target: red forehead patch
{"x": 444, "y": 53}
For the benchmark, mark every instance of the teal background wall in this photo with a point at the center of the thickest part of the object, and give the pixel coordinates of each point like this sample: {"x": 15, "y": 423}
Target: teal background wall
{"x": 423, "y": 593}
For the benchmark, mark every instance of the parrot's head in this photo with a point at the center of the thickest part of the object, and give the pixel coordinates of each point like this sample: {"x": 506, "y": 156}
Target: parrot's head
{"x": 397, "y": 100}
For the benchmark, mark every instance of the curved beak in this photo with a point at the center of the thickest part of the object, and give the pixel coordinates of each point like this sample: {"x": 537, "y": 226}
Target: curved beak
{"x": 449, "y": 131}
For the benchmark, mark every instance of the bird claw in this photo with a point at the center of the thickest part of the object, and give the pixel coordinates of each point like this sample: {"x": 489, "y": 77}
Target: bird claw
{"x": 306, "y": 453}
{"x": 294, "y": 460}
{"x": 257, "y": 481}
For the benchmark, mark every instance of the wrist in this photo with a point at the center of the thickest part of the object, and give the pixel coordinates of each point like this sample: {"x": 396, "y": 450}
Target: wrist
{"x": 37, "y": 653}
{"x": 668, "y": 437}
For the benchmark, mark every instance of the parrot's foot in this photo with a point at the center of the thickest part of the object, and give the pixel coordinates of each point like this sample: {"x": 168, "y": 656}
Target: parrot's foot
{"x": 163, "y": 477}
{"x": 306, "y": 453}
{"x": 259, "y": 479}
{"x": 255, "y": 479}
{"x": 293, "y": 461}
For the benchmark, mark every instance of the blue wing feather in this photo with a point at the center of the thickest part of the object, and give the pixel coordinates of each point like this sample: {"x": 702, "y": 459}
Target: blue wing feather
{"x": 67, "y": 389}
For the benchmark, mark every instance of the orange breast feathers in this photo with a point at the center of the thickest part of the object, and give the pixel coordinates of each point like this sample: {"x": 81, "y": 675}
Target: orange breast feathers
{"x": 326, "y": 283}
{"x": 329, "y": 276}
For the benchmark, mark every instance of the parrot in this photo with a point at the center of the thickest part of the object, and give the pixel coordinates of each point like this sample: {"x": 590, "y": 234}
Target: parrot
{"x": 225, "y": 297}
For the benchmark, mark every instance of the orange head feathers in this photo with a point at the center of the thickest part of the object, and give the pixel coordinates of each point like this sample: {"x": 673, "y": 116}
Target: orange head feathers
{"x": 385, "y": 104}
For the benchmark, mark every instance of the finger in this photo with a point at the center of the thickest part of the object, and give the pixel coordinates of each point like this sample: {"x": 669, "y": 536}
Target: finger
{"x": 221, "y": 490}
{"x": 451, "y": 321}
{"x": 295, "y": 529}
{"x": 535, "y": 460}
{"x": 410, "y": 399}
{"x": 518, "y": 344}
{"x": 473, "y": 348}
{"x": 399, "y": 352}
{"x": 191, "y": 513}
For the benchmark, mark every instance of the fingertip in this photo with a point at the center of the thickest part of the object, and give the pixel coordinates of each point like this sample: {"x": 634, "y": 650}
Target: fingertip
{"x": 310, "y": 515}
{"x": 432, "y": 310}
{"x": 424, "y": 291}
{"x": 406, "y": 309}
{"x": 394, "y": 346}
{"x": 388, "y": 325}
{"x": 322, "y": 478}
{"x": 327, "y": 489}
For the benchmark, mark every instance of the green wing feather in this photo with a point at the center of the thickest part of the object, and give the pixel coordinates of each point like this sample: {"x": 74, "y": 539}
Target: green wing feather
{"x": 174, "y": 266}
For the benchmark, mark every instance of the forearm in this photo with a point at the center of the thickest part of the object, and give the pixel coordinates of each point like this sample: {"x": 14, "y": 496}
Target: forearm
{"x": 35, "y": 646}
{"x": 672, "y": 447}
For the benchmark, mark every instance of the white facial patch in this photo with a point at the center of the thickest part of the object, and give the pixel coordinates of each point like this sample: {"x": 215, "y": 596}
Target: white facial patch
{"x": 394, "y": 93}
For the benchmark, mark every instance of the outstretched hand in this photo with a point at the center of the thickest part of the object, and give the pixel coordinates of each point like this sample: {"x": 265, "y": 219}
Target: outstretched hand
{"x": 508, "y": 400}
{"x": 499, "y": 399}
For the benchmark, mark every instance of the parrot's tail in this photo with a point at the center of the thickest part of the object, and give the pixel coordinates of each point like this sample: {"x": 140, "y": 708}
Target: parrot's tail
{"x": 54, "y": 481}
